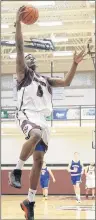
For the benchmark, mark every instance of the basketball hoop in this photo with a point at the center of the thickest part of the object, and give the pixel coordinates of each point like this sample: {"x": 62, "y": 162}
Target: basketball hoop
{"x": 91, "y": 49}
{"x": 93, "y": 140}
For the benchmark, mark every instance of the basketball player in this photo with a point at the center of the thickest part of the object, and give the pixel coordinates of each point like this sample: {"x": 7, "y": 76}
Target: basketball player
{"x": 90, "y": 179}
{"x": 34, "y": 105}
{"x": 45, "y": 178}
{"x": 76, "y": 169}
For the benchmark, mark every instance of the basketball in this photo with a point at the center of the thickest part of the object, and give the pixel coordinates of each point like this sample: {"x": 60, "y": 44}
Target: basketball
{"x": 30, "y": 15}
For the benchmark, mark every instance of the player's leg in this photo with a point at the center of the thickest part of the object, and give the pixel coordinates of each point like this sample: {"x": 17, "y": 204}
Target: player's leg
{"x": 76, "y": 184}
{"x": 29, "y": 146}
{"x": 46, "y": 193}
{"x": 36, "y": 169}
{"x": 28, "y": 205}
{"x": 42, "y": 187}
{"x": 73, "y": 180}
{"x": 46, "y": 185}
{"x": 87, "y": 192}
{"x": 35, "y": 137}
{"x": 78, "y": 191}
{"x": 93, "y": 193}
{"x": 74, "y": 189}
{"x": 93, "y": 188}
{"x": 87, "y": 187}
{"x": 43, "y": 191}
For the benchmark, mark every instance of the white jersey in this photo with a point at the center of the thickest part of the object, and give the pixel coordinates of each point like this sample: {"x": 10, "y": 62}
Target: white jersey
{"x": 90, "y": 177}
{"x": 90, "y": 173}
{"x": 34, "y": 94}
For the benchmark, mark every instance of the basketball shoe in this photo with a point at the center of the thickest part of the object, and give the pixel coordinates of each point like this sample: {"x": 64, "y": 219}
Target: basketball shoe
{"x": 28, "y": 208}
{"x": 15, "y": 178}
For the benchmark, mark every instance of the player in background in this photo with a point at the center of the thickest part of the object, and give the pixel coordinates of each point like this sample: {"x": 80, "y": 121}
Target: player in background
{"x": 45, "y": 178}
{"x": 90, "y": 179}
{"x": 76, "y": 170}
{"x": 34, "y": 105}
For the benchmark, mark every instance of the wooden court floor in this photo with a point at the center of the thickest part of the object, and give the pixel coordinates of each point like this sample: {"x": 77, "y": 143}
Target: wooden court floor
{"x": 56, "y": 207}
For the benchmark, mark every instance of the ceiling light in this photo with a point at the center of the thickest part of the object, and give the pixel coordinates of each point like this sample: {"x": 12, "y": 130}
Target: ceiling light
{"x": 4, "y": 26}
{"x": 14, "y": 55}
{"x": 62, "y": 53}
{"x": 59, "y": 39}
{"x": 92, "y": 2}
{"x": 42, "y": 3}
{"x": 52, "y": 23}
{"x": 5, "y": 9}
{"x": 93, "y": 21}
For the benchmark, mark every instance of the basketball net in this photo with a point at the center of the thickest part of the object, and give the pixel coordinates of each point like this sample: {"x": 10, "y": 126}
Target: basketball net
{"x": 91, "y": 49}
{"x": 93, "y": 139}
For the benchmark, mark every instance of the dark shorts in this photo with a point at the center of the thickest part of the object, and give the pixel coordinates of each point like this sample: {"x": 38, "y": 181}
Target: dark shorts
{"x": 76, "y": 179}
{"x": 40, "y": 146}
{"x": 27, "y": 126}
{"x": 44, "y": 183}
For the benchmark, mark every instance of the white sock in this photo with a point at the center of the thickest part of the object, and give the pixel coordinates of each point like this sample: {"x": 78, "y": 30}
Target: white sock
{"x": 78, "y": 196}
{"x": 20, "y": 164}
{"x": 31, "y": 195}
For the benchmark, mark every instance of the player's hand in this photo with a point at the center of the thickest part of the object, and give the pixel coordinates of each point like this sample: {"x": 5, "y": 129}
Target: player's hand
{"x": 54, "y": 180}
{"x": 79, "y": 57}
{"x": 75, "y": 170}
{"x": 19, "y": 13}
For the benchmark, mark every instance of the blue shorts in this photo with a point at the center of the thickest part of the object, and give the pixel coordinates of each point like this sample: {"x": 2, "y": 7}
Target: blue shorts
{"x": 44, "y": 183}
{"x": 76, "y": 179}
{"x": 41, "y": 147}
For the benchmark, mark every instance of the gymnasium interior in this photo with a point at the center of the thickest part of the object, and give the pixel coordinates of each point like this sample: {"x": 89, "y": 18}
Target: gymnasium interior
{"x": 62, "y": 28}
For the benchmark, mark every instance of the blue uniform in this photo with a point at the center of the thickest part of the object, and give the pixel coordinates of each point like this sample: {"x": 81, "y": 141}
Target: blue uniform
{"x": 40, "y": 146}
{"x": 44, "y": 178}
{"x": 76, "y": 176}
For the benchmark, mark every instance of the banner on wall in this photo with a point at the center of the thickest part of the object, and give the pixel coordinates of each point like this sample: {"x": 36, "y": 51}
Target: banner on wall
{"x": 65, "y": 114}
{"x": 58, "y": 114}
{"x": 88, "y": 113}
{"x": 49, "y": 118}
{"x": 7, "y": 114}
{"x": 4, "y": 114}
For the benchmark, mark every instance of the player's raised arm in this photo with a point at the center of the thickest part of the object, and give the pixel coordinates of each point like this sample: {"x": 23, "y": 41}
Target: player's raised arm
{"x": 20, "y": 60}
{"x": 55, "y": 82}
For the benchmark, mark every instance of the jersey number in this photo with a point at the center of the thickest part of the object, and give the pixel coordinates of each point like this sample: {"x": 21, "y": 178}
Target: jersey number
{"x": 39, "y": 91}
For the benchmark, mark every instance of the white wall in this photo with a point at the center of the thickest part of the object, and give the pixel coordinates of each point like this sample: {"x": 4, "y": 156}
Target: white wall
{"x": 61, "y": 148}
{"x": 77, "y": 97}
{"x": 69, "y": 97}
